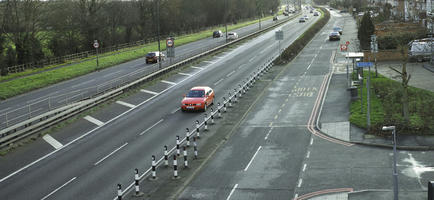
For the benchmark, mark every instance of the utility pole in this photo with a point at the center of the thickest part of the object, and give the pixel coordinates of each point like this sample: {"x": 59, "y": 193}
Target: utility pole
{"x": 225, "y": 18}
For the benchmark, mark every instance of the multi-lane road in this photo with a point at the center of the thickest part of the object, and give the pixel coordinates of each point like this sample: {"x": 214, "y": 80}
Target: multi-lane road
{"x": 85, "y": 159}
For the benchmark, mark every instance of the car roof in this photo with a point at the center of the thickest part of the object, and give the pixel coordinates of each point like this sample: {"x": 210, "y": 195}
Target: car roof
{"x": 200, "y": 88}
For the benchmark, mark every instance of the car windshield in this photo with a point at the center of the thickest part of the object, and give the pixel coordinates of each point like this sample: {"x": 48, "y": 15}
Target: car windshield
{"x": 196, "y": 93}
{"x": 150, "y": 54}
{"x": 336, "y": 29}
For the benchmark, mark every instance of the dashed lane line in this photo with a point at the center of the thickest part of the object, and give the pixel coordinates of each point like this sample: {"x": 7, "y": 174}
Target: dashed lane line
{"x": 196, "y": 67}
{"x": 219, "y": 81}
{"x": 113, "y": 152}
{"x": 161, "y": 120}
{"x": 125, "y": 104}
{"x": 57, "y": 189}
{"x": 230, "y": 74}
{"x": 93, "y": 120}
{"x": 184, "y": 74}
{"x": 251, "y": 160}
{"x": 232, "y": 191}
{"x": 149, "y": 92}
{"x": 53, "y": 142}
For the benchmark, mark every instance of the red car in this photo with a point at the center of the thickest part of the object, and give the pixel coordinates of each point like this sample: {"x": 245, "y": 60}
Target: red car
{"x": 198, "y": 98}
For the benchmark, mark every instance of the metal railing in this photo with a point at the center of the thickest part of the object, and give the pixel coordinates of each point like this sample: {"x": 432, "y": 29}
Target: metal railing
{"x": 242, "y": 88}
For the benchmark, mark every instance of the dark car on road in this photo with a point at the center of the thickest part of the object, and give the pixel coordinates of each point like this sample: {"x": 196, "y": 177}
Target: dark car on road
{"x": 152, "y": 57}
{"x": 217, "y": 34}
{"x": 315, "y": 14}
{"x": 301, "y": 20}
{"x": 334, "y": 36}
{"x": 275, "y": 18}
{"x": 338, "y": 29}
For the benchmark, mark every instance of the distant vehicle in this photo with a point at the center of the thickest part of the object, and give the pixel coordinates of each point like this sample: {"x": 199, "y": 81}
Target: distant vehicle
{"x": 198, "y": 98}
{"x": 338, "y": 29}
{"x": 286, "y": 13}
{"x": 420, "y": 50}
{"x": 311, "y": 11}
{"x": 232, "y": 36}
{"x": 301, "y": 20}
{"x": 334, "y": 36}
{"x": 217, "y": 34}
{"x": 275, "y": 18}
{"x": 306, "y": 17}
{"x": 152, "y": 57}
{"x": 315, "y": 14}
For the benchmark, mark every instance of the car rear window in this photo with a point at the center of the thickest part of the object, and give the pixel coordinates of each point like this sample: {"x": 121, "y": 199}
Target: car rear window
{"x": 196, "y": 93}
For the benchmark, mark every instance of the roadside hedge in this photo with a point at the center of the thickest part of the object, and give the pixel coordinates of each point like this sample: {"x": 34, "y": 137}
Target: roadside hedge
{"x": 298, "y": 45}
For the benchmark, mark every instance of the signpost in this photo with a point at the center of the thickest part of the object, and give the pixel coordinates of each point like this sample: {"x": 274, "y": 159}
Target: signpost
{"x": 96, "y": 46}
{"x": 279, "y": 37}
{"x": 170, "y": 48}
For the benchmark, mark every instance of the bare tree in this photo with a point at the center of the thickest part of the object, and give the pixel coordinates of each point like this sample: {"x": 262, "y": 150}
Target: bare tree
{"x": 405, "y": 79}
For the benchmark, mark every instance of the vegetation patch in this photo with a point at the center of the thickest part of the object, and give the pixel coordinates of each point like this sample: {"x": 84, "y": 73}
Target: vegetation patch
{"x": 386, "y": 107}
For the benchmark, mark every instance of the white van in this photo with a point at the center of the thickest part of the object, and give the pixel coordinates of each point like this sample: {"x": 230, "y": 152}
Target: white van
{"x": 420, "y": 50}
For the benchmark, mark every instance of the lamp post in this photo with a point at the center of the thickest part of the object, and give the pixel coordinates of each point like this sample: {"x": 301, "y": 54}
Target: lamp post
{"x": 395, "y": 173}
{"x": 158, "y": 34}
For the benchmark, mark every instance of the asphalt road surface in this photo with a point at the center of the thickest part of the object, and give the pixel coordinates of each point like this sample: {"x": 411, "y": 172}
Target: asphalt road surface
{"x": 274, "y": 155}
{"x": 34, "y": 103}
{"x": 96, "y": 152}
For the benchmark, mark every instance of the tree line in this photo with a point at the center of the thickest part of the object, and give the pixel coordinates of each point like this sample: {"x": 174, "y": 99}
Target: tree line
{"x": 33, "y": 30}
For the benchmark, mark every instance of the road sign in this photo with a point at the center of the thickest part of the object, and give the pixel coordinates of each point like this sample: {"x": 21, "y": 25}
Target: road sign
{"x": 279, "y": 35}
{"x": 96, "y": 44}
{"x": 343, "y": 47}
{"x": 347, "y": 43}
{"x": 364, "y": 64}
{"x": 169, "y": 42}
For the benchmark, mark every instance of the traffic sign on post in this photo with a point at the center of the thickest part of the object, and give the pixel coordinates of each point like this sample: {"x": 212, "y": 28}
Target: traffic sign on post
{"x": 169, "y": 42}
{"x": 347, "y": 43}
{"x": 364, "y": 64}
{"x": 95, "y": 44}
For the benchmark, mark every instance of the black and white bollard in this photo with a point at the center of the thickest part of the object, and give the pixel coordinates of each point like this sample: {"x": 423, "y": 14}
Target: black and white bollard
{"x": 119, "y": 192}
{"x": 230, "y": 100}
{"x": 224, "y": 104}
{"x": 136, "y": 184}
{"x": 212, "y": 116}
{"x": 205, "y": 123}
{"x": 166, "y": 157}
{"x": 177, "y": 145}
{"x": 197, "y": 128}
{"x": 185, "y": 158}
{"x": 219, "y": 114}
{"x": 195, "y": 147}
{"x": 154, "y": 168}
{"x": 187, "y": 136}
{"x": 240, "y": 91}
{"x": 235, "y": 96}
{"x": 175, "y": 167}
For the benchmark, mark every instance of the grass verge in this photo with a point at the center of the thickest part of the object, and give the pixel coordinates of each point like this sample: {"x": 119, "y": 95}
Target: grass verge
{"x": 386, "y": 107}
{"x": 39, "y": 80}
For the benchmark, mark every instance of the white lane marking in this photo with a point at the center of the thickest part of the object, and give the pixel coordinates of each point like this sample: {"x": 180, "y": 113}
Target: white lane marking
{"x": 241, "y": 66}
{"x": 219, "y": 57}
{"x": 149, "y": 92}
{"x": 299, "y": 182}
{"x": 219, "y": 81}
{"x": 232, "y": 191}
{"x": 184, "y": 74}
{"x": 57, "y": 189}
{"x": 176, "y": 110}
{"x": 308, "y": 154}
{"x": 53, "y": 142}
{"x": 230, "y": 74}
{"x": 161, "y": 120}
{"x": 196, "y": 67}
{"x": 304, "y": 167}
{"x": 268, "y": 134}
{"x": 113, "y": 73}
{"x": 93, "y": 120}
{"x": 105, "y": 157}
{"x": 82, "y": 83}
{"x": 126, "y": 104}
{"x": 251, "y": 160}
{"x": 83, "y": 136}
{"x": 311, "y": 141}
{"x": 168, "y": 82}
{"x": 251, "y": 59}
{"x": 209, "y": 62}
{"x": 280, "y": 110}
{"x": 276, "y": 116}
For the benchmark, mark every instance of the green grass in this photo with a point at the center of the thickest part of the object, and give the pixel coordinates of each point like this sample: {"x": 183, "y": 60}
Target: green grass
{"x": 386, "y": 107}
{"x": 26, "y": 82}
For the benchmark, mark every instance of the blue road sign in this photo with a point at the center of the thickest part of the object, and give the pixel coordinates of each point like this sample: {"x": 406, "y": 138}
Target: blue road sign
{"x": 364, "y": 64}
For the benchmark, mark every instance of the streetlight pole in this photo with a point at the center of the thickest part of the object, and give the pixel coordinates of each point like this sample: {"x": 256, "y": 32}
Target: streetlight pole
{"x": 158, "y": 34}
{"x": 226, "y": 24}
{"x": 395, "y": 173}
